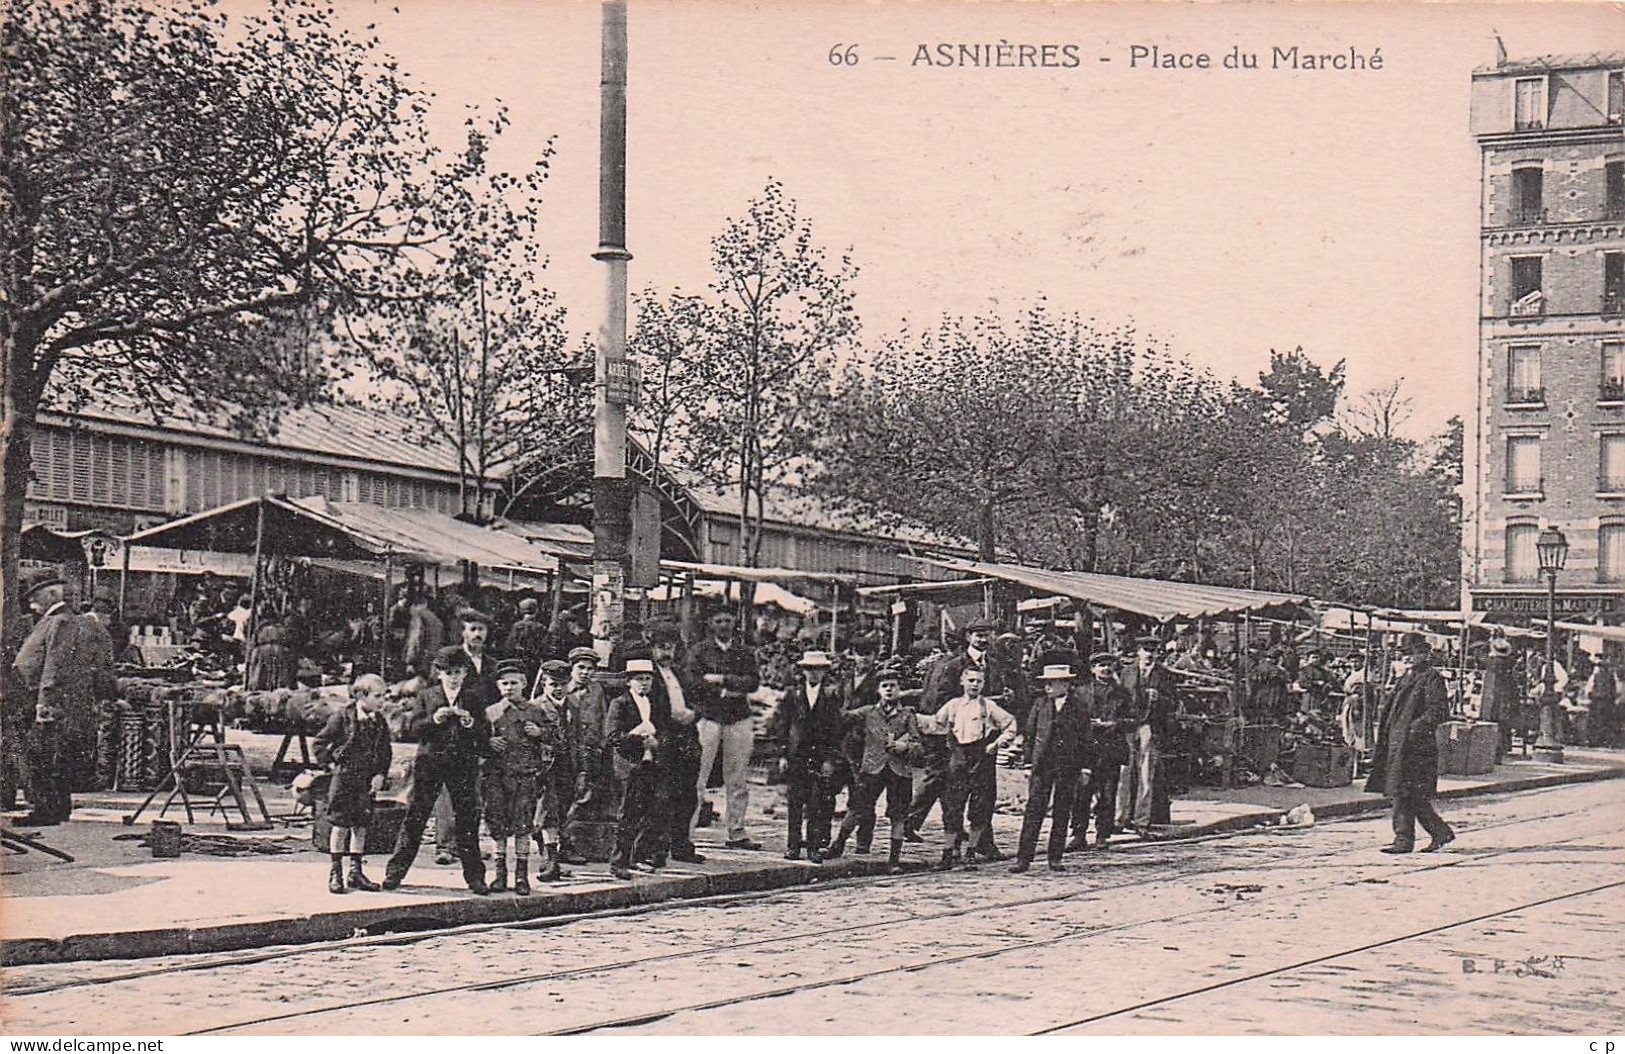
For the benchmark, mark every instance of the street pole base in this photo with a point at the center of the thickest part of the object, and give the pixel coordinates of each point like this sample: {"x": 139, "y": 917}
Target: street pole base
{"x": 1552, "y": 755}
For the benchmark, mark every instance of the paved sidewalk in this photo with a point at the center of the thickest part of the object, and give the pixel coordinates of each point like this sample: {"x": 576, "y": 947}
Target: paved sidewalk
{"x": 116, "y": 901}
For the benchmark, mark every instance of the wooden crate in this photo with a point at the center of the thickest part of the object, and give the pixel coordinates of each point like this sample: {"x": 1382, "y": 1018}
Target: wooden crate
{"x": 1323, "y": 764}
{"x": 1467, "y": 748}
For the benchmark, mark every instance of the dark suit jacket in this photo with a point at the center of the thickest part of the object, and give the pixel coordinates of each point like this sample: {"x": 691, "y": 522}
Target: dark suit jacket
{"x": 1111, "y": 704}
{"x": 728, "y": 702}
{"x": 449, "y": 742}
{"x": 811, "y": 736}
{"x": 1061, "y": 740}
{"x": 1159, "y": 714}
{"x": 628, "y": 748}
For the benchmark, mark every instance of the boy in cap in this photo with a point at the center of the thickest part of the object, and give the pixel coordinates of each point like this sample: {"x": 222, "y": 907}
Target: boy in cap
{"x": 452, "y": 738}
{"x": 595, "y": 792}
{"x": 556, "y": 788}
{"x": 635, "y": 728}
{"x": 891, "y": 740}
{"x": 527, "y": 741}
{"x": 976, "y": 728}
{"x": 809, "y": 726}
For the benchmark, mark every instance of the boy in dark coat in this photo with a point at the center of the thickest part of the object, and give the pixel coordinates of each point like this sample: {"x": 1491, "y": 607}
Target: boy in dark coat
{"x": 451, "y": 741}
{"x": 556, "y": 789}
{"x": 355, "y": 745}
{"x": 527, "y": 739}
{"x": 1106, "y": 701}
{"x": 891, "y": 738}
{"x": 635, "y": 728}
{"x": 810, "y": 725}
{"x": 1406, "y": 763}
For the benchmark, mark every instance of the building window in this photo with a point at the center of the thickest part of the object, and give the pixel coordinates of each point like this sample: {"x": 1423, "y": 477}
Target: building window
{"x": 1613, "y": 371}
{"x": 1613, "y": 283}
{"x": 1523, "y": 375}
{"x": 1527, "y": 298}
{"x": 1523, "y": 465}
{"x": 1616, "y": 97}
{"x": 1614, "y": 184}
{"x": 1530, "y": 110}
{"x": 1522, "y": 564}
{"x": 1528, "y": 186}
{"x": 1611, "y": 553}
{"x": 1611, "y": 464}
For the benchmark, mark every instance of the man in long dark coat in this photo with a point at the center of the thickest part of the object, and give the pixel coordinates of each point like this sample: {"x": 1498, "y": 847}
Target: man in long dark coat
{"x": 1058, "y": 740}
{"x": 1406, "y": 764}
{"x": 66, "y": 664}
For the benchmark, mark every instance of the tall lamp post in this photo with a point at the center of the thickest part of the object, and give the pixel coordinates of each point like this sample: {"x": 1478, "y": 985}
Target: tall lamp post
{"x": 1552, "y": 549}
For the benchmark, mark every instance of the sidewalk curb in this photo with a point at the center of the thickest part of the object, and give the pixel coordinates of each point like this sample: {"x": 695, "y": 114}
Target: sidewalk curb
{"x": 503, "y": 908}
{"x": 433, "y": 914}
{"x": 1382, "y": 803}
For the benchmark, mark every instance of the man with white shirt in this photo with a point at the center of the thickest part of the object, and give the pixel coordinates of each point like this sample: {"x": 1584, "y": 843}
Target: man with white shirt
{"x": 976, "y": 728}
{"x": 682, "y": 744}
{"x": 1057, "y": 743}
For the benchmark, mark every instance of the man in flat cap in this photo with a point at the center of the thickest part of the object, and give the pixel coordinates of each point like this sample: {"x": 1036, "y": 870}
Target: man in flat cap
{"x": 1103, "y": 697}
{"x": 1154, "y": 701}
{"x": 65, "y": 664}
{"x": 597, "y": 797}
{"x": 1405, "y": 765}
{"x": 453, "y": 735}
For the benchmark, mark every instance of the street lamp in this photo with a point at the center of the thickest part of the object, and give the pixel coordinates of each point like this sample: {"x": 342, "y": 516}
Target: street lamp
{"x": 1552, "y": 550}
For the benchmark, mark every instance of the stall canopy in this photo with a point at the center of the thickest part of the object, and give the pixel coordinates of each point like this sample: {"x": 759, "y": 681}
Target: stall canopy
{"x": 348, "y": 531}
{"x": 739, "y": 573}
{"x": 1146, "y": 597}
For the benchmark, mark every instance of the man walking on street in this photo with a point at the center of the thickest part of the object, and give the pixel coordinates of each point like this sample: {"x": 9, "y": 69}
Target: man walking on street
{"x": 1057, "y": 743}
{"x": 1406, "y": 763}
{"x": 723, "y": 673}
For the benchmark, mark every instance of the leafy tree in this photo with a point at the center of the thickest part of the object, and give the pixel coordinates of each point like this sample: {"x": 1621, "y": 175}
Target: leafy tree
{"x": 778, "y": 311}
{"x": 481, "y": 364}
{"x": 173, "y": 184}
{"x": 663, "y": 344}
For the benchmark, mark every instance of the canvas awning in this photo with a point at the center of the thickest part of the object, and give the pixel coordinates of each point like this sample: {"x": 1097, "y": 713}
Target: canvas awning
{"x": 1146, "y": 597}
{"x": 315, "y": 527}
{"x": 963, "y": 589}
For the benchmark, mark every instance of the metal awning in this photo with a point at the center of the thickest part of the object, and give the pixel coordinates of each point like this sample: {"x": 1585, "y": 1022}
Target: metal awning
{"x": 968, "y": 588}
{"x": 740, "y": 573}
{"x": 353, "y": 531}
{"x": 1146, "y": 597}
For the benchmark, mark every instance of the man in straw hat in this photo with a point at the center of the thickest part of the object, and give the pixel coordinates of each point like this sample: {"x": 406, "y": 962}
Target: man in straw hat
{"x": 809, "y": 725}
{"x": 1058, "y": 745}
{"x": 1406, "y": 763}
{"x": 636, "y": 727}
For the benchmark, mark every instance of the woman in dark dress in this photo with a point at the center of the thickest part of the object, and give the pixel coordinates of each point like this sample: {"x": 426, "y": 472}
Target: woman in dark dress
{"x": 355, "y": 744}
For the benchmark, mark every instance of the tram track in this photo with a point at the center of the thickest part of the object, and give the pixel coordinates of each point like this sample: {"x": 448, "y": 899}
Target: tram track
{"x": 935, "y": 917}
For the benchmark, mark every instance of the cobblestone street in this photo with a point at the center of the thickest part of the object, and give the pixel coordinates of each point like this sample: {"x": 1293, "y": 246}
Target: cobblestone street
{"x": 1511, "y": 929}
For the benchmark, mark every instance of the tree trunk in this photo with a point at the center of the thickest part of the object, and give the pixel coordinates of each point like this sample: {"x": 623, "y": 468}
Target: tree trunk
{"x": 17, "y": 411}
{"x": 984, "y": 533}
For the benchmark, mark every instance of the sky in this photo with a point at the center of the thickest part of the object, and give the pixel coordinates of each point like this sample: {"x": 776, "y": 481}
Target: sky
{"x": 1224, "y": 212}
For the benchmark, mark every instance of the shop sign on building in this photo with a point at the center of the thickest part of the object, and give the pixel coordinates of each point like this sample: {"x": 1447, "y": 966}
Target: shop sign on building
{"x": 1534, "y": 604}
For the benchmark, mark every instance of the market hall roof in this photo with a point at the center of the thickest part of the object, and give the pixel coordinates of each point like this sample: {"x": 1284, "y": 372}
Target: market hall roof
{"x": 1146, "y": 597}
{"x": 1609, "y": 60}
{"x": 316, "y": 527}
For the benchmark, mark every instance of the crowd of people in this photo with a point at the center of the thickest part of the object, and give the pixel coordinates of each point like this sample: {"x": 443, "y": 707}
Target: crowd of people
{"x": 516, "y": 731}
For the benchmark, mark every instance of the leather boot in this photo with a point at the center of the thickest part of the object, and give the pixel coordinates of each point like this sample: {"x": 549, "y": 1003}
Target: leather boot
{"x": 521, "y": 876}
{"x": 499, "y": 882}
{"x": 335, "y": 876}
{"x": 358, "y": 880}
{"x": 895, "y": 865}
{"x": 550, "y": 864}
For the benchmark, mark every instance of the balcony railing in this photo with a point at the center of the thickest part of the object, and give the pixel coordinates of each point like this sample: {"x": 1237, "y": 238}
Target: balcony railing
{"x": 1525, "y": 216}
{"x": 1518, "y": 487}
{"x": 1611, "y": 390}
{"x": 1526, "y": 396}
{"x": 1531, "y": 305}
{"x": 1614, "y": 210}
{"x": 1613, "y": 302}
{"x": 1528, "y": 124}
